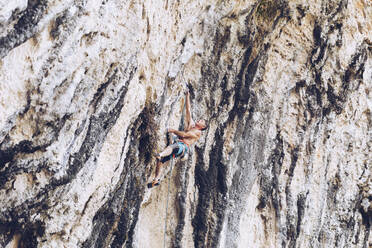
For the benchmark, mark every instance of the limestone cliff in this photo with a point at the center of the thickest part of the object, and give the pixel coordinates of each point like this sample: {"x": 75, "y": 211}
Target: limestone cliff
{"x": 88, "y": 89}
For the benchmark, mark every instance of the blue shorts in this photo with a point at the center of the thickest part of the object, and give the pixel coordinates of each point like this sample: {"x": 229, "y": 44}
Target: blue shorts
{"x": 179, "y": 148}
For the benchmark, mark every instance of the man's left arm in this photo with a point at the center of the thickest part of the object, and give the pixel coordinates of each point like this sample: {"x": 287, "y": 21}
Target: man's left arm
{"x": 182, "y": 134}
{"x": 189, "y": 121}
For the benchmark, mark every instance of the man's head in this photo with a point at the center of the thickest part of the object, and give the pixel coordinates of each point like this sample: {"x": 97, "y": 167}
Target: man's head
{"x": 201, "y": 124}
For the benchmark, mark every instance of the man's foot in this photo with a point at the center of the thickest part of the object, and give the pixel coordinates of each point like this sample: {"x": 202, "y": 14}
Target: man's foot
{"x": 154, "y": 183}
{"x": 157, "y": 156}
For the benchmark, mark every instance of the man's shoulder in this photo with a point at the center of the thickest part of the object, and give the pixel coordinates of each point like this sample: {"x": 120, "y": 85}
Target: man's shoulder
{"x": 196, "y": 132}
{"x": 194, "y": 129}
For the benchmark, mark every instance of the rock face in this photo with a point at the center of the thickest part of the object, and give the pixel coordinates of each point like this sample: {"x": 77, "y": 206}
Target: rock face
{"x": 88, "y": 89}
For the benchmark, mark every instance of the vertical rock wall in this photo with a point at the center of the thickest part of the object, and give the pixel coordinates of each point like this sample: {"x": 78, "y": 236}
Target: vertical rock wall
{"x": 88, "y": 88}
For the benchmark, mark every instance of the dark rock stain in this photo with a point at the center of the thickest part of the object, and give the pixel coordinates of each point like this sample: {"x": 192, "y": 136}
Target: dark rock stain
{"x": 59, "y": 21}
{"x": 301, "y": 200}
{"x": 147, "y": 132}
{"x": 269, "y": 182}
{"x": 212, "y": 190}
{"x": 114, "y": 223}
{"x": 221, "y": 39}
{"x": 212, "y": 183}
{"x": 25, "y": 28}
{"x": 181, "y": 202}
{"x": 30, "y": 233}
{"x": 27, "y": 230}
{"x": 9, "y": 154}
{"x": 291, "y": 220}
{"x": 366, "y": 214}
{"x": 302, "y": 12}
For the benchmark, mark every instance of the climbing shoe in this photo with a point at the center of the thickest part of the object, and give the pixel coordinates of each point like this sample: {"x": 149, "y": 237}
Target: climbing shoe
{"x": 154, "y": 183}
{"x": 157, "y": 156}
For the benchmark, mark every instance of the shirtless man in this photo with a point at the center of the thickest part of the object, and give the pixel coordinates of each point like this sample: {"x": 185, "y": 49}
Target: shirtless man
{"x": 187, "y": 137}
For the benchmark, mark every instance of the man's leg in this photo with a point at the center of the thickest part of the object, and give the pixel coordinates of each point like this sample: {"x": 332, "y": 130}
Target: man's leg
{"x": 163, "y": 157}
{"x": 158, "y": 170}
{"x": 167, "y": 151}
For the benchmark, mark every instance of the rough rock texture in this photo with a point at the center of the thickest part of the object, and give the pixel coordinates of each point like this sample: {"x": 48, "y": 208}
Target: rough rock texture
{"x": 88, "y": 88}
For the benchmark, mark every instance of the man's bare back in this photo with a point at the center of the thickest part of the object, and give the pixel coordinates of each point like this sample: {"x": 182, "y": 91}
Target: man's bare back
{"x": 188, "y": 137}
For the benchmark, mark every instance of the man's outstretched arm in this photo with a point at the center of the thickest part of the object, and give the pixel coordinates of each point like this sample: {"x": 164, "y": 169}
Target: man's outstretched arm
{"x": 181, "y": 134}
{"x": 189, "y": 120}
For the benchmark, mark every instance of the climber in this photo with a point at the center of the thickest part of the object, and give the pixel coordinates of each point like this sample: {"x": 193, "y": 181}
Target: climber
{"x": 187, "y": 137}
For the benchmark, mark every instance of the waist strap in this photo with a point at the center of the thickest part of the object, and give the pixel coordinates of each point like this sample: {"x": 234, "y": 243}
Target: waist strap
{"x": 183, "y": 142}
{"x": 185, "y": 148}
